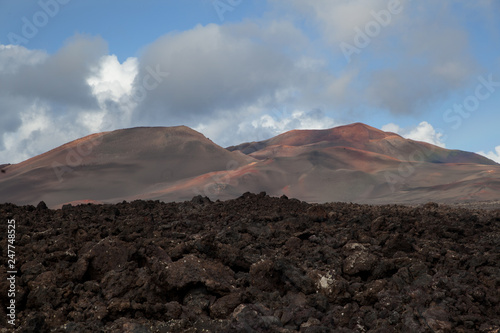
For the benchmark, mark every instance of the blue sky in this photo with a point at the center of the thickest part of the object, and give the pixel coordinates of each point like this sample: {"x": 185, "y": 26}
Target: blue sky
{"x": 239, "y": 70}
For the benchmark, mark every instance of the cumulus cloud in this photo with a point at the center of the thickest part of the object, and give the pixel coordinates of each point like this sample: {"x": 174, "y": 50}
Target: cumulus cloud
{"x": 433, "y": 62}
{"x": 61, "y": 77}
{"x": 338, "y": 19}
{"x": 215, "y": 68}
{"x": 492, "y": 155}
{"x": 216, "y": 78}
{"x": 258, "y": 125}
{"x": 222, "y": 78}
{"x": 227, "y": 81}
{"x": 39, "y": 130}
{"x": 421, "y": 49}
{"x": 423, "y": 132}
{"x": 269, "y": 125}
{"x": 44, "y": 96}
{"x": 14, "y": 56}
{"x": 11, "y": 58}
{"x": 209, "y": 69}
{"x": 112, "y": 80}
{"x": 112, "y": 84}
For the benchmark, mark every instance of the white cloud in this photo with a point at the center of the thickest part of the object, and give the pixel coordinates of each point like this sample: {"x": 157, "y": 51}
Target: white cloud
{"x": 258, "y": 124}
{"x": 338, "y": 19}
{"x": 410, "y": 46}
{"x": 314, "y": 119}
{"x": 226, "y": 80}
{"x": 220, "y": 70}
{"x": 222, "y": 80}
{"x": 112, "y": 80}
{"x": 61, "y": 77}
{"x": 13, "y": 56}
{"x": 211, "y": 68}
{"x": 423, "y": 132}
{"x": 112, "y": 84}
{"x": 492, "y": 155}
{"x": 39, "y": 132}
{"x": 33, "y": 121}
{"x": 48, "y": 101}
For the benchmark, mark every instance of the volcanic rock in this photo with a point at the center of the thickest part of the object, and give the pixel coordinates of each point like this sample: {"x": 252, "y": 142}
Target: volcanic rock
{"x": 254, "y": 264}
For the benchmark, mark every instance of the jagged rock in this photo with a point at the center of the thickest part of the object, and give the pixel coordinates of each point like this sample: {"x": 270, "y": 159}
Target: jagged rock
{"x": 438, "y": 318}
{"x": 360, "y": 259}
{"x": 192, "y": 271}
{"x": 254, "y": 317}
{"x": 201, "y": 200}
{"x": 255, "y": 263}
{"x": 41, "y": 206}
{"x": 225, "y": 305}
{"x": 109, "y": 254}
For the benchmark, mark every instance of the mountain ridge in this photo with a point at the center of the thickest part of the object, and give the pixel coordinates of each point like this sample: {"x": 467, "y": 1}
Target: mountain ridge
{"x": 355, "y": 162}
{"x": 336, "y": 137}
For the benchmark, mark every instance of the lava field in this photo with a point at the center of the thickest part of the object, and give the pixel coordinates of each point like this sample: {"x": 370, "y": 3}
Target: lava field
{"x": 253, "y": 264}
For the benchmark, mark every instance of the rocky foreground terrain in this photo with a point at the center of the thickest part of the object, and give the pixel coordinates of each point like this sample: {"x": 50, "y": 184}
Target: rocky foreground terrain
{"x": 254, "y": 264}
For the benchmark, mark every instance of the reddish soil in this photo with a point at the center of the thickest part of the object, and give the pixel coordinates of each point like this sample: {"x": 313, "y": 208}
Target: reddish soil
{"x": 352, "y": 163}
{"x": 254, "y": 264}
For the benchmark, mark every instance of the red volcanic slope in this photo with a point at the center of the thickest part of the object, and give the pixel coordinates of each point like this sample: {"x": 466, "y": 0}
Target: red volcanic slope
{"x": 350, "y": 135}
{"x": 113, "y": 165}
{"x": 350, "y": 163}
{"x": 354, "y": 134}
{"x": 355, "y": 163}
{"x": 362, "y": 137}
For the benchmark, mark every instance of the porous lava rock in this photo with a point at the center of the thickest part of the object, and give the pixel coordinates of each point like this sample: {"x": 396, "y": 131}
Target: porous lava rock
{"x": 253, "y": 264}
